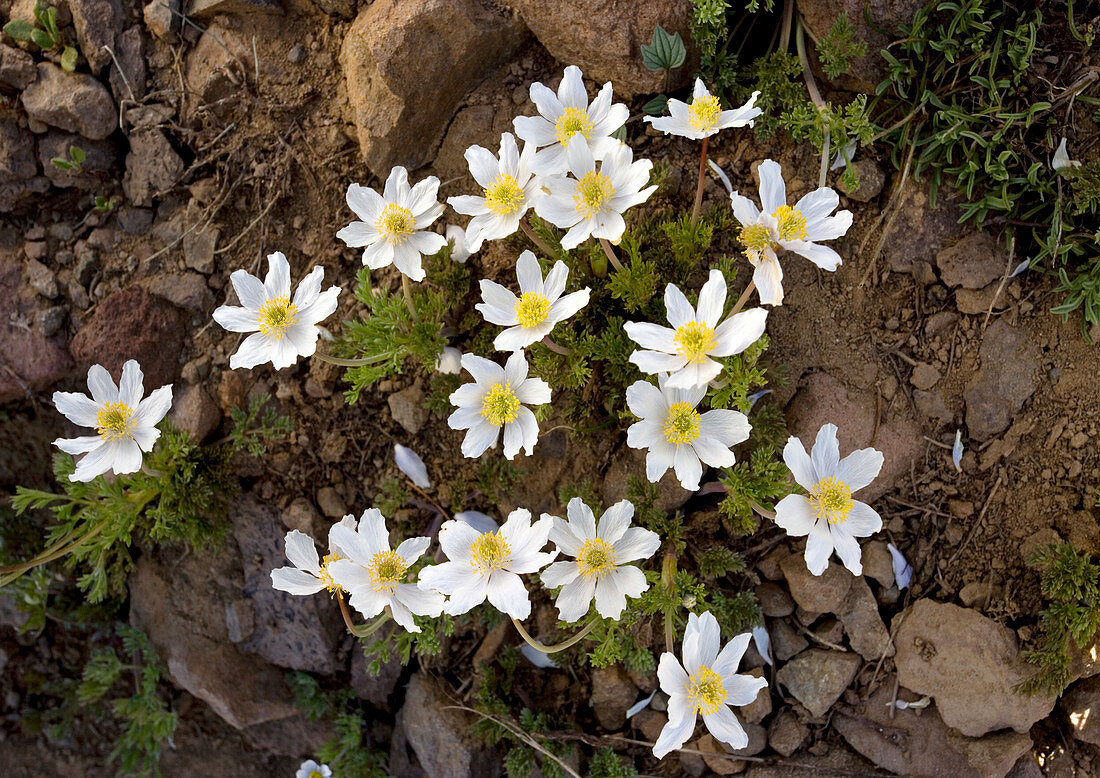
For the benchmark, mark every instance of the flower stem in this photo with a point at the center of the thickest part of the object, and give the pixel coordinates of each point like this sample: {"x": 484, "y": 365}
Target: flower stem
{"x": 427, "y": 497}
{"x": 737, "y": 306}
{"x": 364, "y": 630}
{"x": 702, "y": 178}
{"x": 762, "y": 510}
{"x": 668, "y": 580}
{"x": 358, "y": 362}
{"x": 565, "y": 352}
{"x": 530, "y": 233}
{"x": 610, "y": 252}
{"x": 558, "y": 647}
{"x": 406, "y": 289}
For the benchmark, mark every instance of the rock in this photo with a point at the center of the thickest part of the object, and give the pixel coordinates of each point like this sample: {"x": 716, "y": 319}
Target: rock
{"x": 823, "y": 399}
{"x": 19, "y": 178}
{"x": 864, "y": 73}
{"x": 917, "y": 743}
{"x": 716, "y": 754}
{"x": 152, "y": 166}
{"x": 761, "y": 707}
{"x": 817, "y": 677}
{"x": 186, "y": 290}
{"x": 97, "y": 23}
{"x": 17, "y": 68}
{"x": 612, "y": 693}
{"x": 180, "y": 605}
{"x": 408, "y": 66}
{"x": 473, "y": 125}
{"x": 932, "y": 408}
{"x": 877, "y": 563}
{"x": 128, "y": 78}
{"x": 438, "y": 733}
{"x": 649, "y": 723}
{"x": 135, "y": 221}
{"x": 331, "y": 503}
{"x": 214, "y": 69}
{"x": 407, "y": 408}
{"x": 99, "y": 158}
{"x": 32, "y": 359}
{"x": 970, "y": 665}
{"x": 51, "y": 320}
{"x": 204, "y": 9}
{"x": 41, "y": 279}
{"x": 1027, "y": 766}
{"x": 921, "y": 231}
{"x": 867, "y": 635}
{"x": 604, "y": 38}
{"x": 300, "y": 633}
{"x": 871, "y": 181}
{"x": 786, "y": 642}
{"x": 1010, "y": 373}
{"x": 1082, "y": 708}
{"x": 976, "y": 302}
{"x": 375, "y": 689}
{"x": 823, "y": 593}
{"x": 977, "y": 593}
{"x": 159, "y": 18}
{"x": 973, "y": 262}
{"x": 72, "y": 101}
{"x": 132, "y": 323}
{"x": 787, "y": 733}
{"x": 774, "y": 601}
{"x": 924, "y": 376}
{"x": 195, "y": 412}
{"x": 198, "y": 249}
{"x": 302, "y": 516}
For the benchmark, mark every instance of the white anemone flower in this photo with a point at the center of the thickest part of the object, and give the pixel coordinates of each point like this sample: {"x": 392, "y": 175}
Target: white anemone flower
{"x": 126, "y": 424}
{"x": 778, "y": 225}
{"x": 284, "y": 329}
{"x": 307, "y": 572}
{"x": 394, "y": 226}
{"x": 704, "y": 116}
{"x": 509, "y": 190}
{"x": 498, "y": 398}
{"x": 567, "y": 120}
{"x": 677, "y": 435}
{"x": 590, "y": 202}
{"x": 310, "y": 769}
{"x": 685, "y": 350}
{"x": 828, "y": 515}
{"x": 540, "y": 305}
{"x": 489, "y": 564}
{"x": 708, "y": 684}
{"x": 601, "y": 552}
{"x": 375, "y": 576}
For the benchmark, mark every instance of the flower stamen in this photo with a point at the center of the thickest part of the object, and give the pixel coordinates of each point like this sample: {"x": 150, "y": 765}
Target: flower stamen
{"x": 704, "y": 112}
{"x": 706, "y": 692}
{"x": 832, "y": 500}
{"x": 396, "y": 223}
{"x": 504, "y": 195}
{"x": 489, "y": 552}
{"x": 500, "y": 406}
{"x": 115, "y": 421}
{"x": 532, "y": 309}
{"x": 572, "y": 122}
{"x": 275, "y": 316}
{"x": 756, "y": 238}
{"x": 592, "y": 193}
{"x": 791, "y": 223}
{"x": 386, "y": 570}
{"x": 683, "y": 424}
{"x": 325, "y": 576}
{"x": 694, "y": 341}
{"x": 595, "y": 559}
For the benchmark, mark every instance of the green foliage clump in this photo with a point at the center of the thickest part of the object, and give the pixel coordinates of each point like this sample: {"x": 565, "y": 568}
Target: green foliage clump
{"x": 345, "y": 753}
{"x": 839, "y": 47}
{"x": 1071, "y": 581}
{"x": 45, "y": 34}
{"x": 402, "y": 643}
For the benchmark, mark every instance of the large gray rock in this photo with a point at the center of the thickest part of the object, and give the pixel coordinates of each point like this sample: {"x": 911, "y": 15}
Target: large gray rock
{"x": 973, "y": 262}
{"x": 128, "y": 78}
{"x": 1009, "y": 375}
{"x": 867, "y": 635}
{"x": 970, "y": 665}
{"x": 817, "y": 677}
{"x": 823, "y": 593}
{"x": 1082, "y": 707}
{"x": 604, "y": 38}
{"x": 152, "y": 166}
{"x": 407, "y": 67}
{"x": 439, "y": 734}
{"x": 72, "y": 101}
{"x": 19, "y": 179}
{"x": 97, "y": 22}
{"x": 17, "y": 68}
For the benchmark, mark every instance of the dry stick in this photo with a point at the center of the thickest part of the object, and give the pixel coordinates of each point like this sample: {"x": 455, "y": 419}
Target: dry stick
{"x": 702, "y": 178}
{"x": 530, "y": 233}
{"x": 1004, "y": 280}
{"x": 425, "y": 495}
{"x": 737, "y": 306}
{"x": 610, "y": 252}
{"x": 894, "y": 208}
{"x": 522, "y": 735}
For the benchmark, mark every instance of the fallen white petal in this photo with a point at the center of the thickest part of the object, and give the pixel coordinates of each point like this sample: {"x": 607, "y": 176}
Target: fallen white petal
{"x": 409, "y": 463}
{"x": 450, "y": 361}
{"x": 540, "y": 658}
{"x": 480, "y": 521}
{"x": 1020, "y": 268}
{"x": 1061, "y": 158}
{"x": 957, "y": 451}
{"x": 903, "y": 571}
{"x": 640, "y": 705}
{"x": 721, "y": 176}
{"x": 763, "y": 642}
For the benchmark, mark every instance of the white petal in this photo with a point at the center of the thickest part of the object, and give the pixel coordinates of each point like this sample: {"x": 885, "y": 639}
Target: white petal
{"x": 615, "y": 521}
{"x": 575, "y": 598}
{"x": 702, "y": 643}
{"x": 559, "y": 574}
{"x": 455, "y": 538}
{"x": 819, "y": 547}
{"x": 859, "y": 468}
{"x": 799, "y": 463}
{"x": 712, "y": 298}
{"x": 636, "y": 543}
{"x": 728, "y": 427}
{"x": 826, "y": 452}
{"x": 96, "y": 462}
{"x": 723, "y": 725}
{"x": 479, "y": 439}
{"x": 130, "y": 384}
{"x": 101, "y": 385}
{"x": 768, "y": 277}
{"x": 678, "y": 308}
{"x": 646, "y": 401}
{"x": 410, "y": 463}
{"x": 630, "y": 580}
{"x": 411, "y": 549}
{"x": 847, "y": 548}
{"x": 420, "y": 601}
{"x": 773, "y": 192}
{"x": 674, "y": 735}
{"x": 480, "y": 521}
{"x": 77, "y": 408}
{"x": 529, "y": 273}
{"x": 446, "y": 578}
{"x": 366, "y": 203}
{"x": 863, "y": 521}
{"x": 610, "y": 600}
{"x": 250, "y": 290}
{"x": 795, "y": 514}
{"x": 295, "y": 581}
{"x": 581, "y": 519}
{"x": 651, "y": 336}
{"x": 656, "y": 362}
{"x": 155, "y": 407}
{"x": 822, "y": 256}
{"x": 739, "y": 331}
{"x": 302, "y": 552}
{"x": 236, "y": 319}
{"x": 277, "y": 281}
{"x": 730, "y": 657}
{"x": 81, "y": 445}
{"x": 507, "y": 594}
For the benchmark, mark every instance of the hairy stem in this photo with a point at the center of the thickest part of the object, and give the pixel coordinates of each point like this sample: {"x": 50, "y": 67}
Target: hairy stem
{"x": 737, "y": 306}
{"x": 699, "y": 185}
{"x": 523, "y": 633}
{"x": 530, "y": 233}
{"x": 406, "y": 289}
{"x": 610, "y": 252}
{"x": 364, "y": 630}
{"x": 565, "y": 352}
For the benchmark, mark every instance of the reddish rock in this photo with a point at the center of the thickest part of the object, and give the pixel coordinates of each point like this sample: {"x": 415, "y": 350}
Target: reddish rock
{"x": 133, "y": 323}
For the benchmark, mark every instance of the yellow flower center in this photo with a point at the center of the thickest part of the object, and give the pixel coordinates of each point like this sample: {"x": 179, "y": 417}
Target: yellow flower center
{"x": 489, "y": 552}
{"x": 596, "y": 559}
{"x": 315, "y": 774}
{"x": 532, "y": 309}
{"x": 704, "y": 112}
{"x": 573, "y": 121}
{"x": 682, "y": 425}
{"x": 115, "y": 421}
{"x": 500, "y": 406}
{"x": 756, "y": 238}
{"x": 706, "y": 692}
{"x": 695, "y": 340}
{"x": 792, "y": 224}
{"x": 396, "y": 223}
{"x": 504, "y": 195}
{"x": 275, "y": 315}
{"x": 832, "y": 500}
{"x": 386, "y": 569}
{"x": 592, "y": 193}
{"x": 325, "y": 576}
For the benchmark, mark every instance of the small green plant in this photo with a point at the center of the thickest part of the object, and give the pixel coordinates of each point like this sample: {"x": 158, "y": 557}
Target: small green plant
{"x": 72, "y": 162}
{"x": 45, "y": 35}
{"x": 839, "y": 47}
{"x": 1071, "y": 582}
{"x": 105, "y": 204}
{"x": 345, "y": 753}
{"x": 664, "y": 53}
